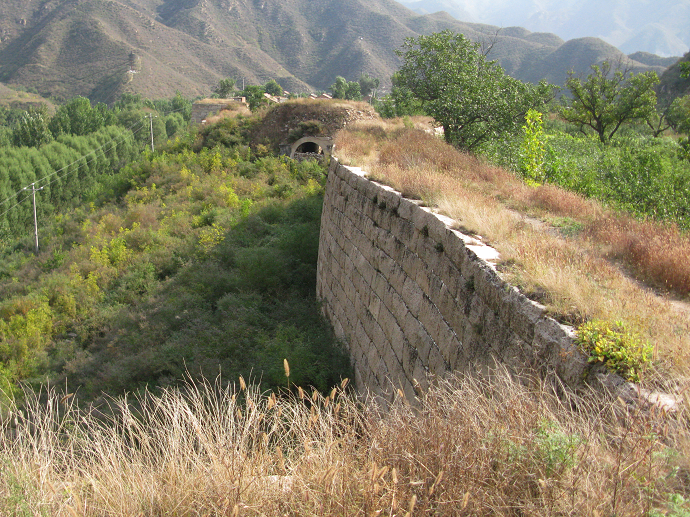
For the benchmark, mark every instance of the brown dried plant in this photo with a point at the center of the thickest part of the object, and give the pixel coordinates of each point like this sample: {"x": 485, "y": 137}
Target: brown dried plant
{"x": 465, "y": 447}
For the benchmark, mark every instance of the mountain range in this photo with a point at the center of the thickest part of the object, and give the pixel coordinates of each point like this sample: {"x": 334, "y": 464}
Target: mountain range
{"x": 660, "y": 27}
{"x": 100, "y": 48}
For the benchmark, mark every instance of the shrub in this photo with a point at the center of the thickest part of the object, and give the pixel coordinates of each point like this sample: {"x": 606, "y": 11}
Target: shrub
{"x": 616, "y": 347}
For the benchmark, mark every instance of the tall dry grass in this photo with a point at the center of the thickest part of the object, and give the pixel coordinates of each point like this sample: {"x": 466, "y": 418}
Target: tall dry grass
{"x": 578, "y": 275}
{"x": 466, "y": 447}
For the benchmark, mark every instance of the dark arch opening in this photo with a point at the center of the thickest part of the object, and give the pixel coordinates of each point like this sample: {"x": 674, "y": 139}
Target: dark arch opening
{"x": 309, "y": 147}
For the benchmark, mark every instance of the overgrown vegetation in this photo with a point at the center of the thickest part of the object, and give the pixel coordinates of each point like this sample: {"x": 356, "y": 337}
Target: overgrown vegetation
{"x": 468, "y": 446}
{"x": 195, "y": 259}
{"x": 644, "y": 176}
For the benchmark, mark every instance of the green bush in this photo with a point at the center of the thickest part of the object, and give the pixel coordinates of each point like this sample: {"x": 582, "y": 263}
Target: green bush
{"x": 613, "y": 345}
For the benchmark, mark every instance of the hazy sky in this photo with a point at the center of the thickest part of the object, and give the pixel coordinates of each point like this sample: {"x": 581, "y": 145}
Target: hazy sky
{"x": 658, "y": 26}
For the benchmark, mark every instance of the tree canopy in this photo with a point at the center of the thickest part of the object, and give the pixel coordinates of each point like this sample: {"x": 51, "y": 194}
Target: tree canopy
{"x": 344, "y": 89}
{"x": 608, "y": 98}
{"x": 273, "y": 88}
{"x": 77, "y": 117}
{"x": 470, "y": 96}
{"x": 254, "y": 95}
{"x": 225, "y": 88}
{"x": 32, "y": 128}
{"x": 367, "y": 84}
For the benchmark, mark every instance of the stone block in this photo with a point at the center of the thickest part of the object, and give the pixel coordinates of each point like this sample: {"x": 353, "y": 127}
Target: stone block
{"x": 402, "y": 229}
{"x": 436, "y": 363}
{"x": 436, "y": 285}
{"x": 390, "y": 197}
{"x": 422, "y": 279}
{"x": 406, "y": 208}
{"x": 554, "y": 347}
{"x": 378, "y": 336}
{"x": 408, "y": 390}
{"x": 445, "y": 338}
{"x": 426, "y": 344}
{"x": 396, "y": 304}
{"x": 422, "y": 218}
{"x": 490, "y": 287}
{"x": 397, "y": 339}
{"x": 386, "y": 266}
{"x": 397, "y": 277}
{"x": 392, "y": 363}
{"x": 437, "y": 227}
{"x": 453, "y": 353}
{"x": 387, "y": 242}
{"x": 410, "y": 262}
{"x": 380, "y": 286}
{"x": 420, "y": 374}
{"x": 373, "y": 190}
{"x": 520, "y": 313}
{"x": 429, "y": 317}
{"x": 412, "y": 296}
{"x": 375, "y": 307}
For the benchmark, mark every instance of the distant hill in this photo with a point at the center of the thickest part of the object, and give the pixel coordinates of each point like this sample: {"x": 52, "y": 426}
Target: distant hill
{"x": 11, "y": 98}
{"x": 100, "y": 48}
{"x": 658, "y": 27}
{"x": 671, "y": 84}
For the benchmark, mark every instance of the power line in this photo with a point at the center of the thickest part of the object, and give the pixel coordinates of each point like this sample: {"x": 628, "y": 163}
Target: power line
{"x": 70, "y": 164}
{"x": 66, "y": 167}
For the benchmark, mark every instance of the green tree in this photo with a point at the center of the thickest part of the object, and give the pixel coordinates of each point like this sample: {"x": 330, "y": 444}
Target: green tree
{"x": 685, "y": 69}
{"x": 608, "y": 98}
{"x": 77, "y": 117}
{"x": 367, "y": 84}
{"x": 32, "y": 128}
{"x": 344, "y": 89}
{"x": 273, "y": 88}
{"x": 532, "y": 149}
{"x": 470, "y": 96}
{"x": 674, "y": 116}
{"x": 128, "y": 101}
{"x": 678, "y": 114}
{"x": 339, "y": 87}
{"x": 401, "y": 102}
{"x": 225, "y": 88}
{"x": 254, "y": 96}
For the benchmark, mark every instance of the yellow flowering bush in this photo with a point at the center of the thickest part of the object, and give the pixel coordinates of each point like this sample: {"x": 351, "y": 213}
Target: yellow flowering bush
{"x": 612, "y": 344}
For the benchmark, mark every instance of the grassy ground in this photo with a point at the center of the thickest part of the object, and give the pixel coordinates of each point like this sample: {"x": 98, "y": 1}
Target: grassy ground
{"x": 468, "y": 447}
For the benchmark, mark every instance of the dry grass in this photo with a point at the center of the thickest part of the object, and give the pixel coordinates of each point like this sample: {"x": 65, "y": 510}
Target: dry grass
{"x": 468, "y": 447}
{"x": 577, "y": 276}
{"x": 659, "y": 253}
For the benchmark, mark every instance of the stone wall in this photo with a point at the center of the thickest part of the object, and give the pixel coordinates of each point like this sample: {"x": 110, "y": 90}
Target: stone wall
{"x": 411, "y": 296}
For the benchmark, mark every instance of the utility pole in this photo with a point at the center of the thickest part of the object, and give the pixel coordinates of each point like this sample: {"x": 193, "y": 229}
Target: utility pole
{"x": 33, "y": 191}
{"x": 151, "y": 125}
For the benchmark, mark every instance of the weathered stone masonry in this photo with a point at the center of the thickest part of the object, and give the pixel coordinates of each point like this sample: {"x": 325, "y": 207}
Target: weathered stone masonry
{"x": 411, "y": 296}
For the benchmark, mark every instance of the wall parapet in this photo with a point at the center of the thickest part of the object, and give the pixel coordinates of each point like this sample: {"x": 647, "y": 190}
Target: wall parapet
{"x": 412, "y": 296}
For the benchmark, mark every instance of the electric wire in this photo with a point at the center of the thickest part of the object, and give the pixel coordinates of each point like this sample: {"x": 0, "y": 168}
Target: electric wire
{"x": 140, "y": 123}
{"x": 77, "y": 160}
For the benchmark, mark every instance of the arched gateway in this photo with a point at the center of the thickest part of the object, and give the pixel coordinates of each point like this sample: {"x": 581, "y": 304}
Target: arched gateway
{"x": 311, "y": 145}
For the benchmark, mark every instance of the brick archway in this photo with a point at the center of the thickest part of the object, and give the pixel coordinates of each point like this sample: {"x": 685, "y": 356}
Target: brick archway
{"x": 312, "y": 145}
